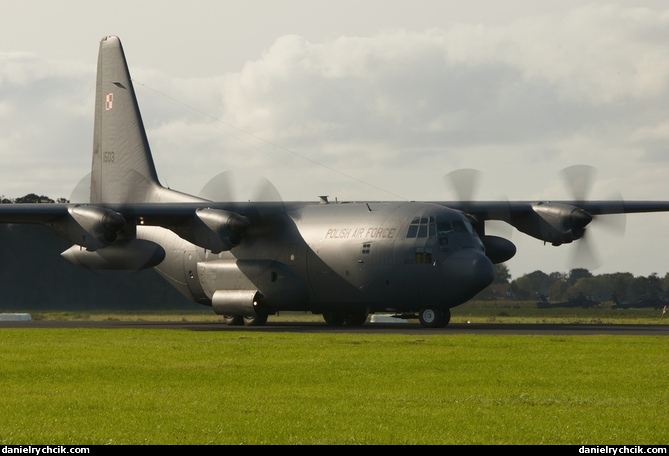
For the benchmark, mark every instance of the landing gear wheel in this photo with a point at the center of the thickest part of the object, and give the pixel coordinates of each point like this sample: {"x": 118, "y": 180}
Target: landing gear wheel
{"x": 255, "y": 320}
{"x": 233, "y": 320}
{"x": 430, "y": 317}
{"x": 355, "y": 318}
{"x": 334, "y": 318}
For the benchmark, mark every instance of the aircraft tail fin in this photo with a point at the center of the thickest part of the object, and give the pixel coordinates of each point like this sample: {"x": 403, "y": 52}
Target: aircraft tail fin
{"x": 123, "y": 170}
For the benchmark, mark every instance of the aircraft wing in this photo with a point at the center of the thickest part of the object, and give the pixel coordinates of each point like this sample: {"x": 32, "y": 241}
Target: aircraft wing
{"x": 32, "y": 212}
{"x": 556, "y": 222}
{"x": 621, "y": 207}
{"x": 168, "y": 213}
{"x": 156, "y": 214}
{"x": 510, "y": 210}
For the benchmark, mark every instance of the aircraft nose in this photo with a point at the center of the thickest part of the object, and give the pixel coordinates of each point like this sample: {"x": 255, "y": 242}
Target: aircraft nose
{"x": 468, "y": 271}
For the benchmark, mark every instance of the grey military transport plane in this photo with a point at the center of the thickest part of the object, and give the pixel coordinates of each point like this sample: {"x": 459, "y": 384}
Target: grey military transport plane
{"x": 253, "y": 259}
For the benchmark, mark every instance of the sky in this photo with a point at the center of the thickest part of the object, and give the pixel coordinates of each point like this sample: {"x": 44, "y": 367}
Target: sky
{"x": 373, "y": 100}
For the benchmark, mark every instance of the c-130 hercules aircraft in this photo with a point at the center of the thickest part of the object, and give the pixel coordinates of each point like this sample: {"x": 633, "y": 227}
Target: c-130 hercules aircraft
{"x": 249, "y": 260}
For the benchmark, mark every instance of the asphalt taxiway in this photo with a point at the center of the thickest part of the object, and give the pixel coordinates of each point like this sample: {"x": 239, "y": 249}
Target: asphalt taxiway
{"x": 372, "y": 328}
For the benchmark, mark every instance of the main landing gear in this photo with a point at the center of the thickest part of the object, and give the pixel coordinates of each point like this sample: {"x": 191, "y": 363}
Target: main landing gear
{"x": 250, "y": 320}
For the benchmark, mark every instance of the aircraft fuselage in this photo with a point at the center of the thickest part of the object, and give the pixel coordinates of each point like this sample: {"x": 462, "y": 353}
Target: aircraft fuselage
{"x": 369, "y": 257}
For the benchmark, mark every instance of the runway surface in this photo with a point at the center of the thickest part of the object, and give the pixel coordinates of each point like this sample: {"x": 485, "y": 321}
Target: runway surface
{"x": 371, "y": 328}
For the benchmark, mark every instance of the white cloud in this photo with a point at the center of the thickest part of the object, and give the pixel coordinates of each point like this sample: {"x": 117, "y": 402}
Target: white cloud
{"x": 600, "y": 52}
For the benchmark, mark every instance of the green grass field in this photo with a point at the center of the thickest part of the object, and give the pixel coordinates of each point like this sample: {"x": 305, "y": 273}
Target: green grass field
{"x": 128, "y": 386}
{"x": 527, "y": 312}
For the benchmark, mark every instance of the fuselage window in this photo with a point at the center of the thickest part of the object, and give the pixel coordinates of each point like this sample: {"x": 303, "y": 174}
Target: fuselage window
{"x": 423, "y": 256}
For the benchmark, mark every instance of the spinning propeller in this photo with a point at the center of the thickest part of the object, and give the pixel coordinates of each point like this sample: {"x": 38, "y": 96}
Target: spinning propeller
{"x": 220, "y": 188}
{"x": 227, "y": 185}
{"x": 82, "y": 192}
{"x": 465, "y": 182}
{"x": 578, "y": 179}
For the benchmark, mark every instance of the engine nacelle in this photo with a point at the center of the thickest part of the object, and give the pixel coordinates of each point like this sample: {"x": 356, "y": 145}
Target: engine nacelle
{"x": 557, "y": 223}
{"x": 92, "y": 227}
{"x": 214, "y": 229}
{"x": 125, "y": 254}
{"x": 498, "y": 249}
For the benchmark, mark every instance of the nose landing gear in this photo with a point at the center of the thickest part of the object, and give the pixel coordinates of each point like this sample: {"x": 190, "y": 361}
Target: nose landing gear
{"x": 431, "y": 317}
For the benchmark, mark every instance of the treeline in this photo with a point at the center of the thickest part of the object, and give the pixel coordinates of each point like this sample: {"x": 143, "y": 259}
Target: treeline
{"x": 619, "y": 287}
{"x": 31, "y": 198}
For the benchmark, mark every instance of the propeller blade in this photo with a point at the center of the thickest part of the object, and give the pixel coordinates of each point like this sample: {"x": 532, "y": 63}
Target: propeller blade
{"x": 464, "y": 182}
{"x": 585, "y": 255}
{"x": 218, "y": 188}
{"x": 258, "y": 188}
{"x": 266, "y": 191}
{"x": 615, "y": 224}
{"x": 82, "y": 192}
{"x": 579, "y": 180}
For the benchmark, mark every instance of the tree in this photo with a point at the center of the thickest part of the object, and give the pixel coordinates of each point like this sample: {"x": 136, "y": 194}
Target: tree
{"x": 665, "y": 283}
{"x": 647, "y": 287}
{"x": 621, "y": 285}
{"x": 502, "y": 274}
{"x": 33, "y": 198}
{"x": 578, "y": 273}
{"x": 528, "y": 285}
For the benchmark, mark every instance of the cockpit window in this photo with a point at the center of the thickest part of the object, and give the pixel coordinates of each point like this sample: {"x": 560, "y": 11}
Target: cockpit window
{"x": 422, "y": 227}
{"x": 446, "y": 227}
{"x": 460, "y": 227}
